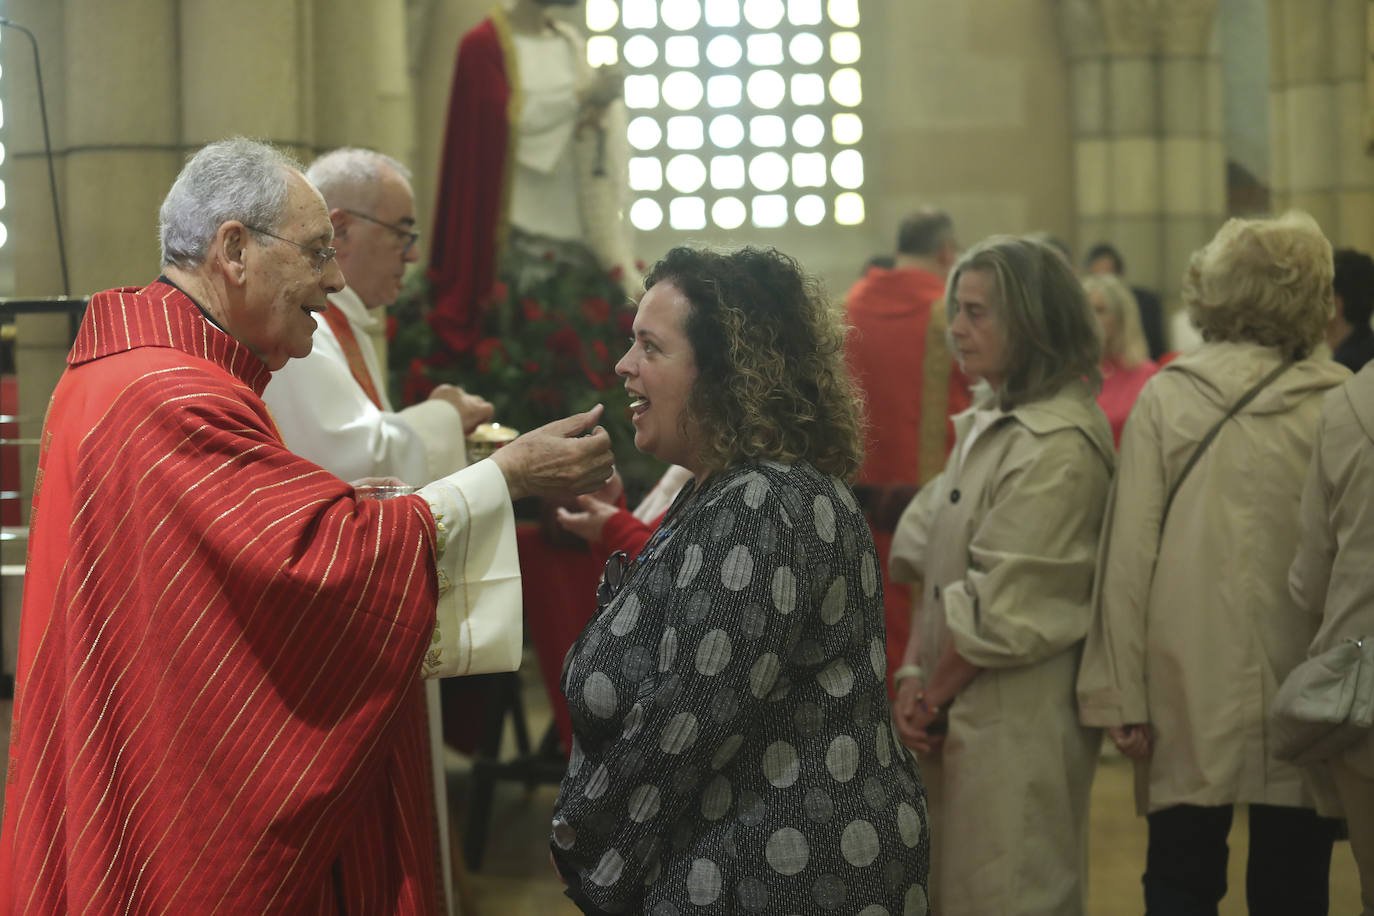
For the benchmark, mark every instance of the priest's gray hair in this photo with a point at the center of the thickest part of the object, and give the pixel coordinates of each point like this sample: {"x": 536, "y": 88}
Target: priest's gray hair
{"x": 235, "y": 179}
{"x": 349, "y": 177}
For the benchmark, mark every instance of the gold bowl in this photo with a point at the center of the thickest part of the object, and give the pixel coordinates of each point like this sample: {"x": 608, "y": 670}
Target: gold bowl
{"x": 487, "y": 438}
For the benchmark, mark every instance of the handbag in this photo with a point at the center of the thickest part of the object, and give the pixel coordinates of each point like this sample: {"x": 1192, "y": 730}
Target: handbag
{"x": 1325, "y": 705}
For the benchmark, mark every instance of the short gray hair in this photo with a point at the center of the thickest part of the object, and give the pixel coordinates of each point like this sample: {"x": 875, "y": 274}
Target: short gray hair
{"x": 348, "y": 177}
{"x": 236, "y": 179}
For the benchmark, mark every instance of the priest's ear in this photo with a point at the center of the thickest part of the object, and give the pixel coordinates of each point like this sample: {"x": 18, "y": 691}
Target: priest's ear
{"x": 229, "y": 251}
{"x": 339, "y": 219}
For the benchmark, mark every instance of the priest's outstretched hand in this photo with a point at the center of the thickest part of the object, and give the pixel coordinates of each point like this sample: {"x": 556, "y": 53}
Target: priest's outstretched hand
{"x": 572, "y": 454}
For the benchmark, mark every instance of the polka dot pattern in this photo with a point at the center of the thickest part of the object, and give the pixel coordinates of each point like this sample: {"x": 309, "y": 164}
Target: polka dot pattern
{"x": 732, "y": 747}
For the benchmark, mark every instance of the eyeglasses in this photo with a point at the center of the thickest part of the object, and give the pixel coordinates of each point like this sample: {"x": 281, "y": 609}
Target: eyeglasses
{"x": 320, "y": 256}
{"x": 403, "y": 233}
{"x": 612, "y": 577}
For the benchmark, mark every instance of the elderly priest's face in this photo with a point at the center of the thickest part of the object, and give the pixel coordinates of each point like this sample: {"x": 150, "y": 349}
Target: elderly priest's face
{"x": 284, "y": 281}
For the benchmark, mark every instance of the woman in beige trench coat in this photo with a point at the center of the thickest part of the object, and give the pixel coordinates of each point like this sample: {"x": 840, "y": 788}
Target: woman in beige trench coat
{"x": 1194, "y": 627}
{"x": 1330, "y": 580}
{"x": 1004, "y": 542}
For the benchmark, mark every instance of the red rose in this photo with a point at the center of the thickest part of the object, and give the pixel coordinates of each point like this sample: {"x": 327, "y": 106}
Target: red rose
{"x": 596, "y": 310}
{"x": 603, "y": 353}
{"x": 417, "y": 385}
{"x": 564, "y": 342}
{"x": 531, "y": 366}
{"x": 533, "y": 311}
{"x": 499, "y": 292}
{"x": 486, "y": 350}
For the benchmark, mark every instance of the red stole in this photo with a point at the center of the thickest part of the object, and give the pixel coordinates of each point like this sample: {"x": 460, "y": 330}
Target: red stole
{"x": 475, "y": 174}
{"x": 353, "y": 354}
{"x": 216, "y": 704}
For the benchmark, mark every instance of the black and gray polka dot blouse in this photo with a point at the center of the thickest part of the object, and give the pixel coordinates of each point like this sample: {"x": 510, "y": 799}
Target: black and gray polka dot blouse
{"x": 733, "y": 749}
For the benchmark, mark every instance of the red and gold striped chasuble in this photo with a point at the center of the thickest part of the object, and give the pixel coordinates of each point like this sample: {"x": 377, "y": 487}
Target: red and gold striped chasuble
{"x": 216, "y": 707}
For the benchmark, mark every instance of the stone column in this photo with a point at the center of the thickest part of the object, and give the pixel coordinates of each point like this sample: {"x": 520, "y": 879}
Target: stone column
{"x": 1319, "y": 51}
{"x": 1147, "y": 128}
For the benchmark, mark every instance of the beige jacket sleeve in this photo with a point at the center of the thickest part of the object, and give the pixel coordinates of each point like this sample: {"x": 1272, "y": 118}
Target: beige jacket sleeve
{"x": 1111, "y": 679}
{"x": 1027, "y": 593}
{"x": 1309, "y": 578}
{"x": 907, "y": 560}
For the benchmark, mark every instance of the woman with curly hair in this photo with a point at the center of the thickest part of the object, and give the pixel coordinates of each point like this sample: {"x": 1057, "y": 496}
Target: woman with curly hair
{"x": 1126, "y": 364}
{"x": 1194, "y": 627}
{"x": 1003, "y": 542}
{"x": 732, "y": 738}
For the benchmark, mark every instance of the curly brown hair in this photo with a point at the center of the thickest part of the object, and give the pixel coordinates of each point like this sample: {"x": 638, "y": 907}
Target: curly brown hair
{"x": 772, "y": 383}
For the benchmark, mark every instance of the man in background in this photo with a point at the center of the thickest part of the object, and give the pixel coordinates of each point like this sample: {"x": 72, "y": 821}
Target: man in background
{"x": 1349, "y": 335}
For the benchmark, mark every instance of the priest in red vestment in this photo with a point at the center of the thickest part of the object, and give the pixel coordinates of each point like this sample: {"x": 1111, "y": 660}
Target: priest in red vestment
{"x": 221, "y": 648}
{"x": 910, "y": 384}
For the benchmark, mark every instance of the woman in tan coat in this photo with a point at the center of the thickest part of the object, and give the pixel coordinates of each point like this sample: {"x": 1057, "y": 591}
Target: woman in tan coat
{"x": 1194, "y": 627}
{"x": 1004, "y": 541}
{"x": 1331, "y": 581}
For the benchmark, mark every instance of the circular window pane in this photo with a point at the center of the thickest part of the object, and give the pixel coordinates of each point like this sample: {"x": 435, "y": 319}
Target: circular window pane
{"x": 687, "y": 213}
{"x": 807, "y": 89}
{"x": 646, "y": 173}
{"x": 728, "y": 213}
{"x": 722, "y": 13}
{"x": 601, "y": 15}
{"x": 804, "y": 12}
{"x": 767, "y": 89}
{"x": 641, "y": 51}
{"x": 682, "y": 90}
{"x": 848, "y": 128}
{"x": 723, "y": 91}
{"x": 639, "y": 14}
{"x": 681, "y": 14}
{"x": 847, "y": 168}
{"x": 845, "y": 14}
{"x": 844, "y": 47}
{"x": 726, "y": 131}
{"x": 685, "y": 132}
{"x": 641, "y": 91}
{"x": 4, "y": 235}
{"x": 644, "y": 133}
{"x": 763, "y": 14}
{"x": 727, "y": 172}
{"x": 681, "y": 51}
{"x": 765, "y": 50}
{"x": 770, "y": 211}
{"x": 806, "y": 48}
{"x": 723, "y": 51}
{"x": 845, "y": 88}
{"x": 601, "y": 51}
{"x": 646, "y": 214}
{"x": 808, "y": 130}
{"x": 686, "y": 173}
{"x": 849, "y": 209}
{"x": 808, "y": 170}
{"x": 810, "y": 210}
{"x": 768, "y": 171}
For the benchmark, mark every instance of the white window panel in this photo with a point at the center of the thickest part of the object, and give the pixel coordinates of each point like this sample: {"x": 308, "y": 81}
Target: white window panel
{"x": 682, "y": 51}
{"x": 768, "y": 171}
{"x": 682, "y": 90}
{"x": 806, "y": 48}
{"x": 845, "y": 88}
{"x": 724, "y": 91}
{"x": 726, "y": 131}
{"x": 724, "y": 51}
{"x": 767, "y": 131}
{"x": 602, "y": 15}
{"x": 763, "y": 14}
{"x": 808, "y": 131}
{"x": 681, "y": 14}
{"x": 641, "y": 91}
{"x": 769, "y": 211}
{"x": 765, "y": 50}
{"x": 646, "y": 173}
{"x": 808, "y": 170}
{"x": 722, "y": 14}
{"x": 687, "y": 213}
{"x": 808, "y": 89}
{"x": 766, "y": 89}
{"x": 602, "y": 50}
{"x": 639, "y": 14}
{"x": 686, "y": 132}
{"x": 847, "y": 168}
{"x": 804, "y": 12}
{"x": 686, "y": 173}
{"x": 728, "y": 213}
{"x": 810, "y": 210}
{"x": 844, "y": 48}
{"x": 727, "y": 172}
{"x": 646, "y": 214}
{"x": 844, "y": 13}
{"x": 847, "y": 128}
{"x": 849, "y": 209}
{"x": 641, "y": 51}
{"x": 644, "y": 133}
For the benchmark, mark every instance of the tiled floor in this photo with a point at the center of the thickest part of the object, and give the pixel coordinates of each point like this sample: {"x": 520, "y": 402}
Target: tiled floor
{"x": 517, "y": 880}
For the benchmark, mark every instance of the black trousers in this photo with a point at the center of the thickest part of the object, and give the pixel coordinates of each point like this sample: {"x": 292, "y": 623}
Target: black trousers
{"x": 1288, "y": 872}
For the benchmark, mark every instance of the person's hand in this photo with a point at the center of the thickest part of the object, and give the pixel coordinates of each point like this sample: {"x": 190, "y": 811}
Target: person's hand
{"x": 913, "y": 720}
{"x": 473, "y": 409}
{"x": 590, "y": 523}
{"x": 1135, "y": 740}
{"x": 558, "y": 457}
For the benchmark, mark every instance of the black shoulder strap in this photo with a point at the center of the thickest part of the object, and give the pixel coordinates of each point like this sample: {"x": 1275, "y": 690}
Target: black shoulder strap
{"x": 1212, "y": 434}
